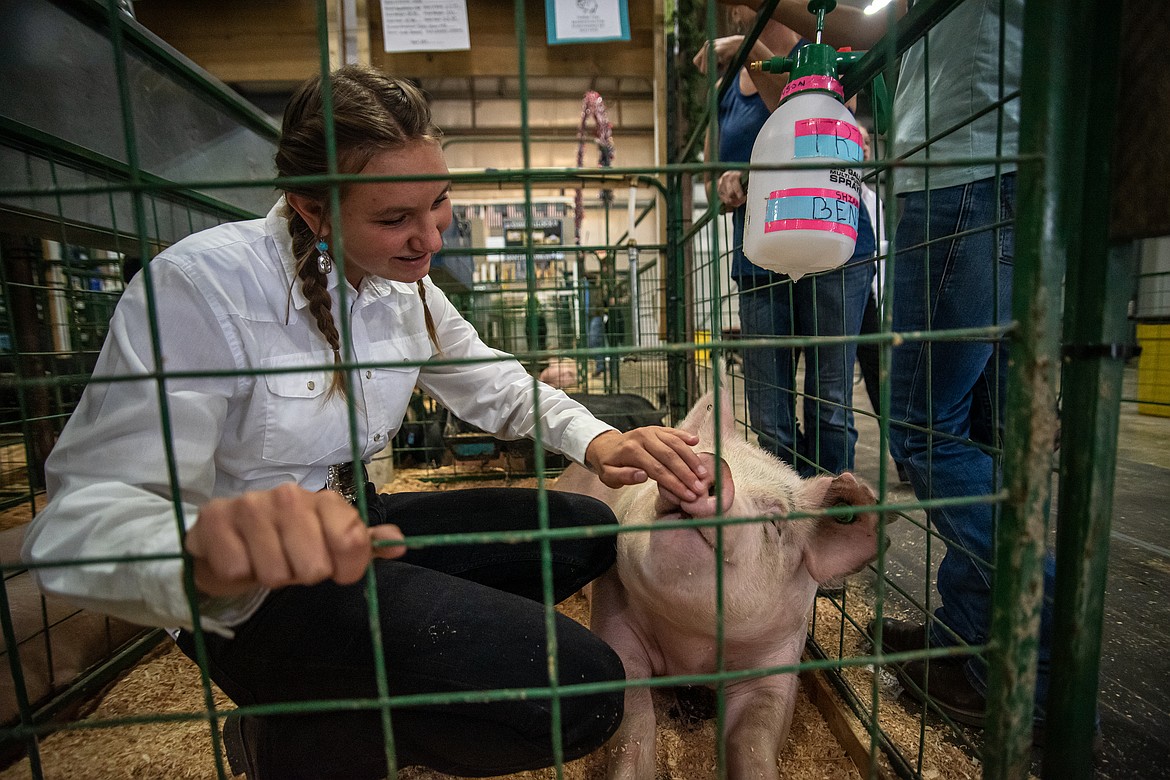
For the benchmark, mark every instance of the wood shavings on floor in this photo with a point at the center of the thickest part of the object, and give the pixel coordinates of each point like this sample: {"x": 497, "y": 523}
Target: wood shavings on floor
{"x": 167, "y": 684}
{"x": 21, "y": 514}
{"x": 164, "y": 684}
{"x": 943, "y": 754}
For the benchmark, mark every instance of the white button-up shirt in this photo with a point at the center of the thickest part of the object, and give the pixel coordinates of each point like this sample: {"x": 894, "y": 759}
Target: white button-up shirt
{"x": 226, "y": 302}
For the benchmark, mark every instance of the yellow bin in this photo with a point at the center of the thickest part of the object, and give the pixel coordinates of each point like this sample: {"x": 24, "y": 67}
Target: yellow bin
{"x": 1153, "y": 389}
{"x": 703, "y": 356}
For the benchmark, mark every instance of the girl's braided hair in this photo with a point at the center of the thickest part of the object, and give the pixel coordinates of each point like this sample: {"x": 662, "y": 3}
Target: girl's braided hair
{"x": 372, "y": 113}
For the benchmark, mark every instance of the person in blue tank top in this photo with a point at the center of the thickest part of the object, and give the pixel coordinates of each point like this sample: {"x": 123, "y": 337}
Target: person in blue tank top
{"x": 771, "y": 304}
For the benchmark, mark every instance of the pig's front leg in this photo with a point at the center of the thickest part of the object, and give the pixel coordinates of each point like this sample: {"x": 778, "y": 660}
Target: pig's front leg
{"x": 759, "y": 713}
{"x": 630, "y": 752}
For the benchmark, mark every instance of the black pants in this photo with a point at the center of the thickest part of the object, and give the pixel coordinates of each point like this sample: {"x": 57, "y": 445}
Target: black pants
{"x": 465, "y": 617}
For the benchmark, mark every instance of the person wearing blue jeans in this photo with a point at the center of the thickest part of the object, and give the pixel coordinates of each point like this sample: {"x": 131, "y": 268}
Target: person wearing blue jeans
{"x": 595, "y": 339}
{"x": 947, "y": 399}
{"x": 826, "y": 304}
{"x": 952, "y": 269}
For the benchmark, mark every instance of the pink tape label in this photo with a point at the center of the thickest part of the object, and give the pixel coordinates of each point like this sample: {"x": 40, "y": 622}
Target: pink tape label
{"x": 824, "y": 126}
{"x": 813, "y": 82}
{"x": 834, "y": 139}
{"x": 815, "y": 192}
{"x": 811, "y": 224}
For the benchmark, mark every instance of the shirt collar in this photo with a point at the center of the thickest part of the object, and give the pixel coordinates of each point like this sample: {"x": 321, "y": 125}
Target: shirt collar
{"x": 378, "y": 287}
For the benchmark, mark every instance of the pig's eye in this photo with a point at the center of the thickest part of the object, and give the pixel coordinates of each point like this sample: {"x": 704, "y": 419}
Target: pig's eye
{"x": 844, "y": 519}
{"x": 710, "y": 407}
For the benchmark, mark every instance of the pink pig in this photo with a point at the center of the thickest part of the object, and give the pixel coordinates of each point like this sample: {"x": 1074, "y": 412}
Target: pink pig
{"x": 656, "y": 606}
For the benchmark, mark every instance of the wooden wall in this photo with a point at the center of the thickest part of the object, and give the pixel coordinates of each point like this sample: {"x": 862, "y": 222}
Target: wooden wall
{"x": 495, "y": 48}
{"x": 268, "y": 41}
{"x": 276, "y": 41}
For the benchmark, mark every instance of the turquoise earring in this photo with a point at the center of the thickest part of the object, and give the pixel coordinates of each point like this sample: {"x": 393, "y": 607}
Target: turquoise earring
{"x": 324, "y": 261}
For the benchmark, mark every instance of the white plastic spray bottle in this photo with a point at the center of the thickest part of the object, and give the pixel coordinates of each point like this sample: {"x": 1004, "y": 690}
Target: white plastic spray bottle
{"x": 801, "y": 221}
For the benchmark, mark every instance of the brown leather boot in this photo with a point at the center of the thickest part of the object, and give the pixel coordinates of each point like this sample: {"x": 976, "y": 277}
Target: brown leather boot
{"x": 941, "y": 680}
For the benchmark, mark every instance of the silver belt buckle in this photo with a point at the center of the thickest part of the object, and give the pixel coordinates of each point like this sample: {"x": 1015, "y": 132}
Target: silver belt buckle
{"x": 341, "y": 479}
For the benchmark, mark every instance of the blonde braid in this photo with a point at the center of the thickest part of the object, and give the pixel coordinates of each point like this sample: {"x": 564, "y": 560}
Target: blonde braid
{"x": 434, "y": 336}
{"x": 315, "y": 287}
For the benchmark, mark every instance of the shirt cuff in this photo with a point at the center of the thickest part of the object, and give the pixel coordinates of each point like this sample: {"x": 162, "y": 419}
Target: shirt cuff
{"x": 163, "y": 585}
{"x": 220, "y": 615}
{"x": 578, "y": 435}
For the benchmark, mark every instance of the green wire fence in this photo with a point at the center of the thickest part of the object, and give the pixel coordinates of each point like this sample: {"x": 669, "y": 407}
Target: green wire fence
{"x": 86, "y": 204}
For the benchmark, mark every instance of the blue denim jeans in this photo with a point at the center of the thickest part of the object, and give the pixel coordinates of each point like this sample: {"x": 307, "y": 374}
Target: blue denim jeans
{"x": 947, "y": 396}
{"x": 595, "y": 338}
{"x": 454, "y": 618}
{"x": 827, "y": 304}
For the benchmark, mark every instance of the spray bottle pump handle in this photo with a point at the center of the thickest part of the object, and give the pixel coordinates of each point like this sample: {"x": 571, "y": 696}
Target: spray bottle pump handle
{"x": 819, "y": 8}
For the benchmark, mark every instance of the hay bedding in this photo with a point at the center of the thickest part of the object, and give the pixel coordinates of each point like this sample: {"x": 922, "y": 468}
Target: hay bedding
{"x": 167, "y": 683}
{"x": 20, "y": 514}
{"x": 944, "y": 754}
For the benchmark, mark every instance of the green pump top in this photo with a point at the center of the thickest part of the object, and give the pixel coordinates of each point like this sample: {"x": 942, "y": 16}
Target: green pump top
{"x": 816, "y": 63}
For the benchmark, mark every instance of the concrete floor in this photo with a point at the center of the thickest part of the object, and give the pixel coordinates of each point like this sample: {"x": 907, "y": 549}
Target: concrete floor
{"x": 1134, "y": 684}
{"x": 1134, "y": 690}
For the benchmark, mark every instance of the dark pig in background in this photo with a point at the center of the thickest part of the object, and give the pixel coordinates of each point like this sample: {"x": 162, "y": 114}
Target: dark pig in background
{"x": 656, "y": 606}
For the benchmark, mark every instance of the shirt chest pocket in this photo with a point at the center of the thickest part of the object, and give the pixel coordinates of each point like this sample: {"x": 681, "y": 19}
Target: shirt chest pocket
{"x": 387, "y": 394}
{"x": 304, "y": 423}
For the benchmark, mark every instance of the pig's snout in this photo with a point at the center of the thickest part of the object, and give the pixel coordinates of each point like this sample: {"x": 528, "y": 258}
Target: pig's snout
{"x": 706, "y": 504}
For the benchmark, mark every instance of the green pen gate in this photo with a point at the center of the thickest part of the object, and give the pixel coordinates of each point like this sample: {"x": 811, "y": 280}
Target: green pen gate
{"x": 82, "y": 210}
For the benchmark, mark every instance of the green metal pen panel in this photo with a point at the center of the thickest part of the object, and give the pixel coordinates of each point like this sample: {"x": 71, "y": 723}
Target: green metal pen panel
{"x": 139, "y": 148}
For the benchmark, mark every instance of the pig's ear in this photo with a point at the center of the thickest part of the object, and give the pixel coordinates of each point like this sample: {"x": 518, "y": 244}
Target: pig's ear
{"x": 840, "y": 545}
{"x": 701, "y": 419}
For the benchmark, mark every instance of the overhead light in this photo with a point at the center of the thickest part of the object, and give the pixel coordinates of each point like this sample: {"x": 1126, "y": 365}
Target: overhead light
{"x": 875, "y": 6}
